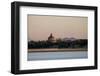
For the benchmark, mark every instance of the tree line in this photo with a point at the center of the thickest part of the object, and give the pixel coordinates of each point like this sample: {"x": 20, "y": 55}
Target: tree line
{"x": 79, "y": 43}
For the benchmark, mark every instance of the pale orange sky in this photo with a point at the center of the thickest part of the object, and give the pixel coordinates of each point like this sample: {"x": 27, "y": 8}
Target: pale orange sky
{"x": 40, "y": 27}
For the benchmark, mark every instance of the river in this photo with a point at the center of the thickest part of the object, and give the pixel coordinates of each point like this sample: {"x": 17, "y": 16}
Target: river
{"x": 57, "y": 55}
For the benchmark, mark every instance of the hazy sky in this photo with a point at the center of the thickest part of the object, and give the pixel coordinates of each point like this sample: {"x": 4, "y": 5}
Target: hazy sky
{"x": 40, "y": 27}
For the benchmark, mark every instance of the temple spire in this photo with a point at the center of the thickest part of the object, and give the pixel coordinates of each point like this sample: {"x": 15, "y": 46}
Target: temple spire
{"x": 51, "y": 35}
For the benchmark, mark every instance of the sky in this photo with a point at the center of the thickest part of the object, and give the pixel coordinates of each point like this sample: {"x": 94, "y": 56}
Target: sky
{"x": 41, "y": 26}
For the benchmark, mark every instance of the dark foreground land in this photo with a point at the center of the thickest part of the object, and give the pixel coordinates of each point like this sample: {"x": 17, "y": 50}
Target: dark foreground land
{"x": 58, "y": 46}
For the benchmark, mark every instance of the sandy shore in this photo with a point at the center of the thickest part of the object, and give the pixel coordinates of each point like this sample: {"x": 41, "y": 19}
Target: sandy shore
{"x": 56, "y": 49}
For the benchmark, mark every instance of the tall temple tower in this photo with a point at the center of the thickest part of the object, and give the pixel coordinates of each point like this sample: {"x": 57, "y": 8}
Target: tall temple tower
{"x": 51, "y": 38}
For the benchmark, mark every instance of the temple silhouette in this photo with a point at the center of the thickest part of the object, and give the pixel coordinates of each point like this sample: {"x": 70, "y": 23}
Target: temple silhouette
{"x": 51, "y": 38}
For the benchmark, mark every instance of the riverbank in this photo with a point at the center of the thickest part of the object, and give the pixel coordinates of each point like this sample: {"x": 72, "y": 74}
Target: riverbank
{"x": 57, "y": 49}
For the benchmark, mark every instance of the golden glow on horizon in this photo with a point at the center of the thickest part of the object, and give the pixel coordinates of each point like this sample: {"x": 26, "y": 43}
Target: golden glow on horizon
{"x": 40, "y": 27}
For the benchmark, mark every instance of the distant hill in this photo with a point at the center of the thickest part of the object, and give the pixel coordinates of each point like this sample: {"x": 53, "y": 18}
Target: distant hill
{"x": 69, "y": 39}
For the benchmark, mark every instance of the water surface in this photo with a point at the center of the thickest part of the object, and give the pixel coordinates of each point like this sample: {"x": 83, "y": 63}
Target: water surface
{"x": 57, "y": 55}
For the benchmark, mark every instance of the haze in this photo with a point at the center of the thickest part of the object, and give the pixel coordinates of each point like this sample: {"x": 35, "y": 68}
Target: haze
{"x": 40, "y": 27}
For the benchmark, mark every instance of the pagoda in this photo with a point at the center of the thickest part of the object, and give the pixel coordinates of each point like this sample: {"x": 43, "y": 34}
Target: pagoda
{"x": 51, "y": 38}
